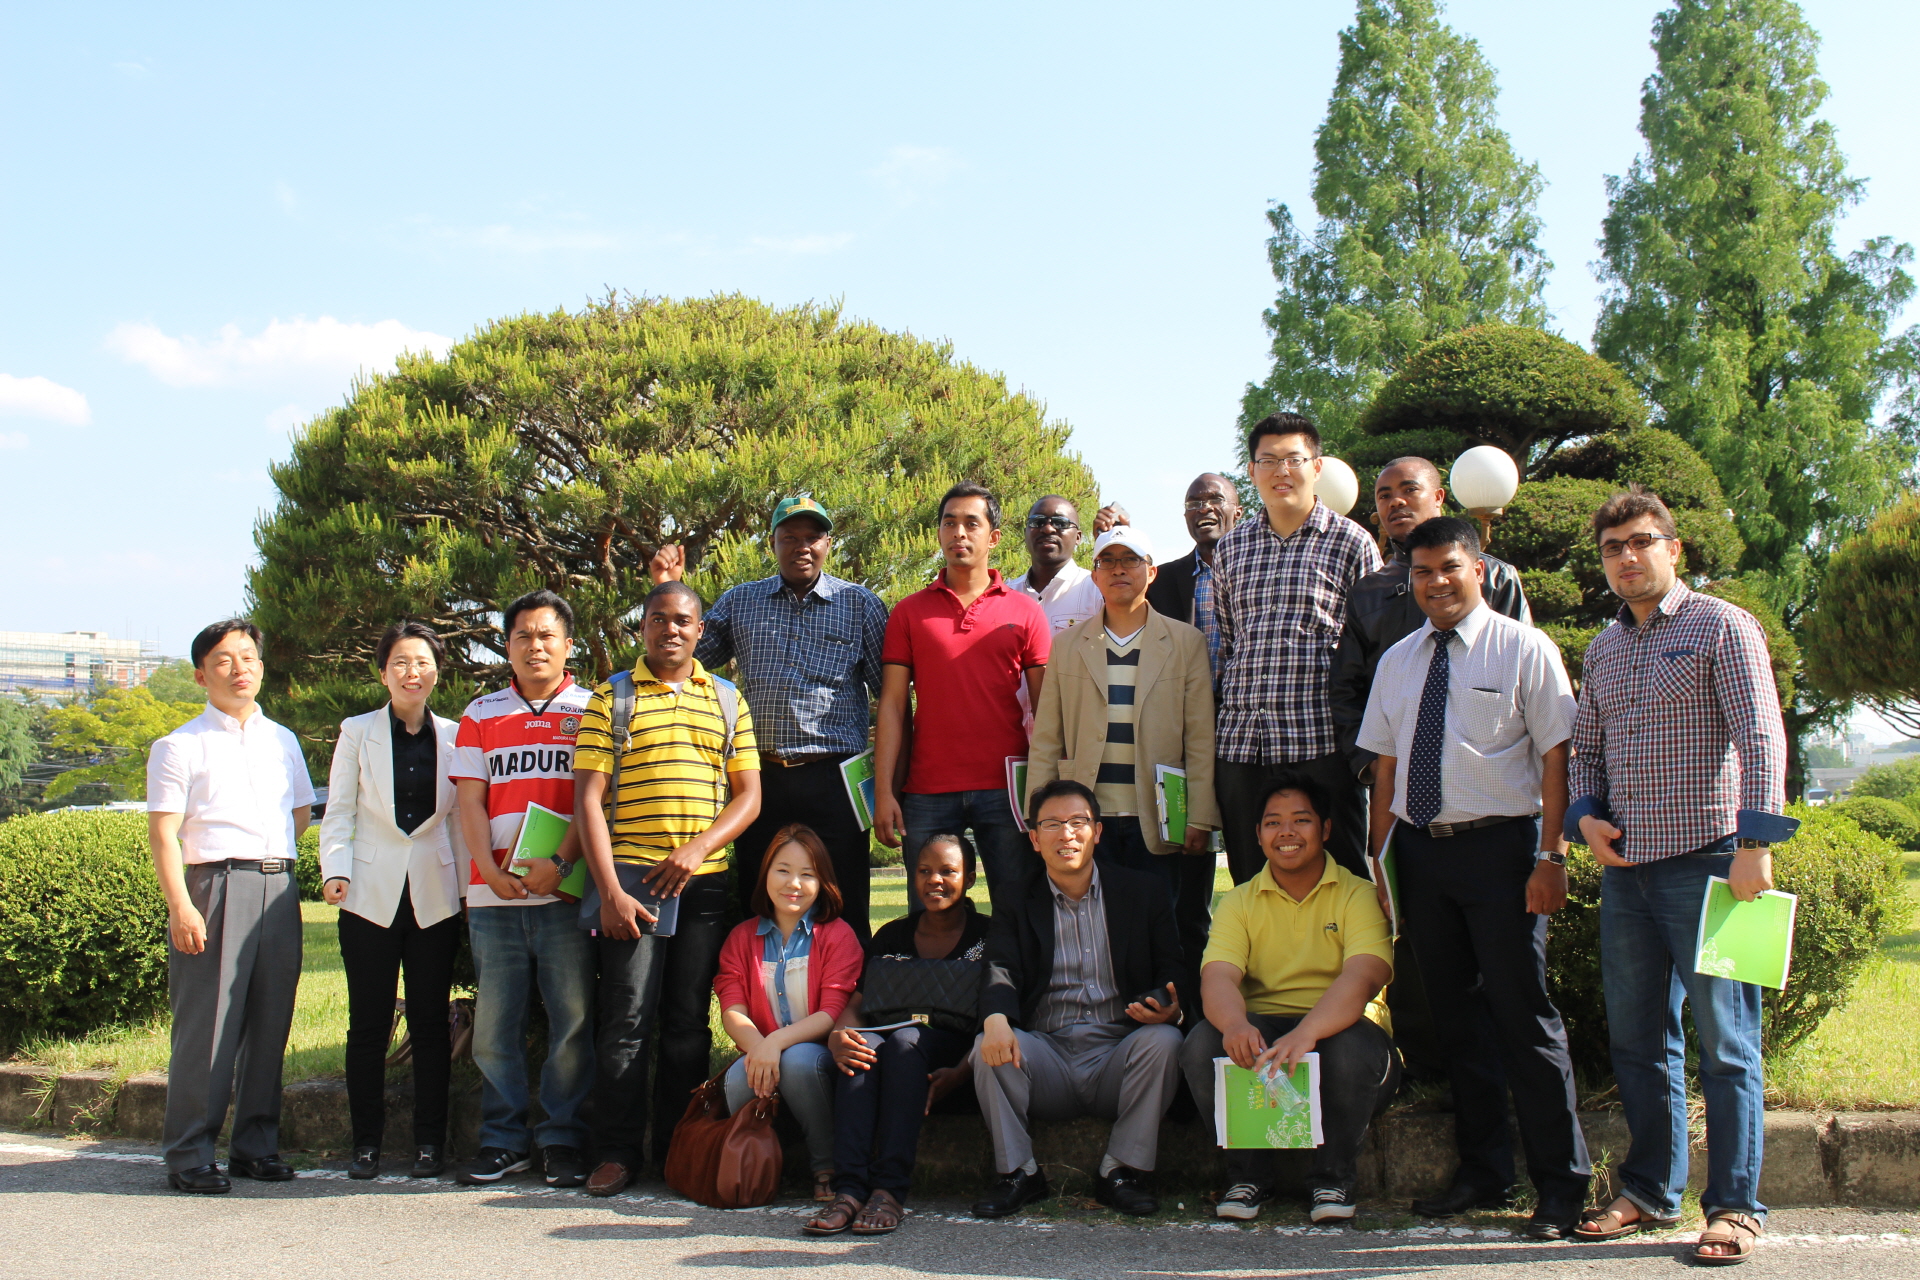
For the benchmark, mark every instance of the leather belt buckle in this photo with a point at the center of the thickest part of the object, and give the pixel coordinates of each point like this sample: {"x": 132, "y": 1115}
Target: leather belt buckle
{"x": 273, "y": 866}
{"x": 1440, "y": 830}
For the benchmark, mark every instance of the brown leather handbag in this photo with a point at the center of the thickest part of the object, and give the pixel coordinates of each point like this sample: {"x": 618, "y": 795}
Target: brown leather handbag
{"x": 725, "y": 1161}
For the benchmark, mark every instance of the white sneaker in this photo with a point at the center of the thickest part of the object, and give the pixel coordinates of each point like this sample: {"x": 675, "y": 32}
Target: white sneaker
{"x": 1242, "y": 1202}
{"x": 1331, "y": 1204}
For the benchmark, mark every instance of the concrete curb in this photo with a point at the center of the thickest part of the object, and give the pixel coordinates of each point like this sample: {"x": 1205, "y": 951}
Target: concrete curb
{"x": 1862, "y": 1158}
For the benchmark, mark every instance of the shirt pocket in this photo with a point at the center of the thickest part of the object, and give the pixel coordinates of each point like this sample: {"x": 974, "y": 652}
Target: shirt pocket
{"x": 1484, "y": 714}
{"x": 1675, "y": 678}
{"x": 826, "y": 659}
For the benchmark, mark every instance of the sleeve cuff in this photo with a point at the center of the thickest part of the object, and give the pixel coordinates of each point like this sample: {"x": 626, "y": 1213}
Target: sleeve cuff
{"x": 1584, "y": 807}
{"x": 1767, "y": 828}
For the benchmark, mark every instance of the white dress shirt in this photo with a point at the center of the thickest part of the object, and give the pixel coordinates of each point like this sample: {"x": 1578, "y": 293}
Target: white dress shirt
{"x": 1069, "y": 598}
{"x": 1508, "y": 702}
{"x": 236, "y": 786}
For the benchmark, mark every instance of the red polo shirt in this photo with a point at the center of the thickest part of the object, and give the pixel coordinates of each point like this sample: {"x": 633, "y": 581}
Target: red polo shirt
{"x": 967, "y": 666}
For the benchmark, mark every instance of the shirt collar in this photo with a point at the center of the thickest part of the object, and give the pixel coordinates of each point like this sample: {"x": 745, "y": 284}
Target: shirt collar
{"x": 643, "y": 676}
{"x": 996, "y": 585}
{"x": 1069, "y": 577}
{"x": 1468, "y": 629}
{"x": 1263, "y": 881}
{"x": 805, "y": 927}
{"x": 566, "y": 683}
{"x": 1093, "y": 890}
{"x": 826, "y": 586}
{"x": 1670, "y": 605}
{"x": 1320, "y": 519}
{"x": 221, "y": 720}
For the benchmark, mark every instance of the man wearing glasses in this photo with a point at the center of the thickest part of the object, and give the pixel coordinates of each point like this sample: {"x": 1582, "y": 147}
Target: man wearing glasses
{"x": 1678, "y": 774}
{"x": 1280, "y": 595}
{"x": 1131, "y": 690}
{"x": 1066, "y": 592}
{"x": 1184, "y": 588}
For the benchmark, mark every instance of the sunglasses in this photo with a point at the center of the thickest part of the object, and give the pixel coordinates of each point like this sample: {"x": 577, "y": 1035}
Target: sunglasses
{"x": 1059, "y": 524}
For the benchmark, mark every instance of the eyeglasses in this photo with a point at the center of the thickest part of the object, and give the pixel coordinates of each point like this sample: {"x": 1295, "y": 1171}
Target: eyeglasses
{"x": 1059, "y": 523}
{"x": 1215, "y": 501}
{"x": 1118, "y": 562}
{"x": 1072, "y": 826}
{"x": 400, "y": 666}
{"x": 1294, "y": 463}
{"x": 1640, "y": 542}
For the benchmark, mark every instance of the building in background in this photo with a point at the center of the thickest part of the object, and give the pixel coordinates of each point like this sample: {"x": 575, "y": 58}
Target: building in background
{"x": 62, "y": 663}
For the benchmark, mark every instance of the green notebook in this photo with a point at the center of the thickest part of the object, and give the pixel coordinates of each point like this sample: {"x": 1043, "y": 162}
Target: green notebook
{"x": 857, "y": 774}
{"x": 1745, "y": 941}
{"x": 1389, "y": 867}
{"x": 1269, "y": 1108}
{"x": 541, "y": 832}
{"x": 1170, "y": 791}
{"x": 1017, "y": 788}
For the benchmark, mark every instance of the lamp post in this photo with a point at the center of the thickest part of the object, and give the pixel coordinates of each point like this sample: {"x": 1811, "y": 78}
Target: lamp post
{"x": 1484, "y": 480}
{"x": 1337, "y": 486}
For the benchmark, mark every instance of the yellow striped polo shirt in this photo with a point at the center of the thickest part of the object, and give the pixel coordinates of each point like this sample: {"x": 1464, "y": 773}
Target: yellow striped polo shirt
{"x": 672, "y": 783}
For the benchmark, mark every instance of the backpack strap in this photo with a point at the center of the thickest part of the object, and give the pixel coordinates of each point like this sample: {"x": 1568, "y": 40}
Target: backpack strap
{"x": 729, "y": 695}
{"x": 622, "y": 725}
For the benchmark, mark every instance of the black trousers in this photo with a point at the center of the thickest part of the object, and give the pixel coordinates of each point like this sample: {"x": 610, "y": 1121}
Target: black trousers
{"x": 1481, "y": 951}
{"x": 1187, "y": 876}
{"x": 655, "y": 990}
{"x": 1238, "y": 787}
{"x": 813, "y": 794}
{"x": 374, "y": 958}
{"x": 877, "y": 1112}
{"x": 1359, "y": 1074}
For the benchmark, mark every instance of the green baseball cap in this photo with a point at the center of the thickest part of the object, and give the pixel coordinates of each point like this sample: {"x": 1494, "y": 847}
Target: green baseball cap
{"x": 804, "y": 505}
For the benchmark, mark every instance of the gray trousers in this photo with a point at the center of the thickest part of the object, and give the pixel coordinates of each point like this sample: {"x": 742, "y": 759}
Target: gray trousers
{"x": 1119, "y": 1071}
{"x": 232, "y": 1009}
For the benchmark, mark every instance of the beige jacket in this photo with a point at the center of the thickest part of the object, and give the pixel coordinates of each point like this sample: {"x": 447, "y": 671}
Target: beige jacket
{"x": 1173, "y": 716}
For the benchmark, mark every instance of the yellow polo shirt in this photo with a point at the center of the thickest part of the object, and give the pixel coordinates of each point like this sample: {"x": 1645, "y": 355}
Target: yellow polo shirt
{"x": 1292, "y": 951}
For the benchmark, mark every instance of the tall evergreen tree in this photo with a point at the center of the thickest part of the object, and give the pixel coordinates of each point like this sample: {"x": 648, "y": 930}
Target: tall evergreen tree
{"x": 1727, "y": 303}
{"x": 1427, "y": 219}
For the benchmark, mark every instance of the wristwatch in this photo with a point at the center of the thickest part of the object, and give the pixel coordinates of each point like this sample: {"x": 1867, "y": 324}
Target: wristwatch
{"x": 560, "y": 864}
{"x": 1750, "y": 844}
{"x": 1549, "y": 855}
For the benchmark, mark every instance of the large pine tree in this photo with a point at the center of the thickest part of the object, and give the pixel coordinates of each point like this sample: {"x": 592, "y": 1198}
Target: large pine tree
{"x": 1727, "y": 303}
{"x": 1427, "y": 219}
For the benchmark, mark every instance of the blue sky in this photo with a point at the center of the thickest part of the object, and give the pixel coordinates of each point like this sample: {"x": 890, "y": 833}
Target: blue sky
{"x": 211, "y": 217}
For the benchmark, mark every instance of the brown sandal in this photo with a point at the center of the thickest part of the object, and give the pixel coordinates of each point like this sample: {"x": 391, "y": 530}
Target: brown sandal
{"x": 835, "y": 1218}
{"x": 823, "y": 1186}
{"x": 882, "y": 1214}
{"x": 1611, "y": 1223}
{"x": 1737, "y": 1231}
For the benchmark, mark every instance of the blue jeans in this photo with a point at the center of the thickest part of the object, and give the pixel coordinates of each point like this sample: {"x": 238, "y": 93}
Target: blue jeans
{"x": 514, "y": 947}
{"x": 1649, "y": 928}
{"x": 806, "y": 1089}
{"x": 1007, "y": 858}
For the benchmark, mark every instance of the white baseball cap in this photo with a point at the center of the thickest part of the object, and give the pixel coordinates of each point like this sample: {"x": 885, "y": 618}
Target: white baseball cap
{"x": 1122, "y": 536}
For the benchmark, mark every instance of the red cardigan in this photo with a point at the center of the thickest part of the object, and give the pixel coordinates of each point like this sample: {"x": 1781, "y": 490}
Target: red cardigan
{"x": 834, "y": 962}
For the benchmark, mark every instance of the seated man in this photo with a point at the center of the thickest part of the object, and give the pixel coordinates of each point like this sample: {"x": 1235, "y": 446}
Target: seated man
{"x": 1294, "y": 965}
{"x": 1085, "y": 964}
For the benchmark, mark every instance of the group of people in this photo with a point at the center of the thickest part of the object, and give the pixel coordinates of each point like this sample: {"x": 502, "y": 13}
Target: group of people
{"x": 1328, "y": 710}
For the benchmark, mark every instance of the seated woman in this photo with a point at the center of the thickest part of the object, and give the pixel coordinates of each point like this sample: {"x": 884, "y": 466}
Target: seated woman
{"x": 890, "y": 1080}
{"x": 785, "y": 975}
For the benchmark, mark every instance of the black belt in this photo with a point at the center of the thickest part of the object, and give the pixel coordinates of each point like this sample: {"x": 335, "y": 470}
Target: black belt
{"x": 1443, "y": 830}
{"x": 795, "y": 762}
{"x": 266, "y": 866}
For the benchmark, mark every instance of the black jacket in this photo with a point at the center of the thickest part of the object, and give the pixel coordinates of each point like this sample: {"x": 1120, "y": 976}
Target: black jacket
{"x": 1141, "y": 938}
{"x": 1171, "y": 592}
{"x": 1380, "y": 614}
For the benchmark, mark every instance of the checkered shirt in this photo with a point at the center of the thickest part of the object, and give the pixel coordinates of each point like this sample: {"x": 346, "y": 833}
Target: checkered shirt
{"x": 808, "y": 665}
{"x": 1678, "y": 738}
{"x": 1280, "y": 604}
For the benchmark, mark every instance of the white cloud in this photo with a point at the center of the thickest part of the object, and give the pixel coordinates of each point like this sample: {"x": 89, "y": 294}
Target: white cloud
{"x": 815, "y": 244}
{"x": 910, "y": 173}
{"x": 42, "y": 398}
{"x": 325, "y": 346}
{"x": 13, "y": 439}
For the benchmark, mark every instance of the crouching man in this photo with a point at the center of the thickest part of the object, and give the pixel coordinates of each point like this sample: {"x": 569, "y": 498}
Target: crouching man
{"x": 1294, "y": 965}
{"x": 1079, "y": 1010}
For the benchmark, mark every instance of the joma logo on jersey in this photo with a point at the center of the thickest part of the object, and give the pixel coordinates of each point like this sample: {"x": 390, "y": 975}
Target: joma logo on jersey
{"x": 539, "y": 724}
{"x": 507, "y": 764}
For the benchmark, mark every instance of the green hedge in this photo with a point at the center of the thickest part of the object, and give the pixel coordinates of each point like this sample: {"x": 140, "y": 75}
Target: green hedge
{"x": 82, "y": 924}
{"x": 1889, "y": 819}
{"x": 1852, "y": 898}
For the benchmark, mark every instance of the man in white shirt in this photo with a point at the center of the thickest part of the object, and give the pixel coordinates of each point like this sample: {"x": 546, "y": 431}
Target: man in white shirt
{"x": 1470, "y": 717}
{"x": 1066, "y": 592}
{"x": 227, "y": 796}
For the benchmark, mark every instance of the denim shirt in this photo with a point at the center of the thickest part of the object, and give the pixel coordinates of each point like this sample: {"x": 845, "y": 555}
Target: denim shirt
{"x": 785, "y": 980}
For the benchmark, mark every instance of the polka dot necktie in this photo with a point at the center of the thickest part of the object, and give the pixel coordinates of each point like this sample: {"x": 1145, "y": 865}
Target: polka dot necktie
{"x": 1429, "y": 734}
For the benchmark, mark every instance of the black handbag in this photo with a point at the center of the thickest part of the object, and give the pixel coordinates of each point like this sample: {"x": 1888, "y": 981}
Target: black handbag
{"x": 937, "y": 993}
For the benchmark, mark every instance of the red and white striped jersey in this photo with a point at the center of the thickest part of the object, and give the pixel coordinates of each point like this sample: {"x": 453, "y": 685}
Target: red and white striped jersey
{"x": 523, "y": 751}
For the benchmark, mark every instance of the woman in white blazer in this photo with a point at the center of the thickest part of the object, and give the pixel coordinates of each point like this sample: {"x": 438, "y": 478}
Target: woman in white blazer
{"x": 393, "y": 861}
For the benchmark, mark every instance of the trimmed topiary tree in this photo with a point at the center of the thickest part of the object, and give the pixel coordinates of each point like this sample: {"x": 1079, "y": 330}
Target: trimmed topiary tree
{"x": 83, "y": 927}
{"x": 1863, "y": 638}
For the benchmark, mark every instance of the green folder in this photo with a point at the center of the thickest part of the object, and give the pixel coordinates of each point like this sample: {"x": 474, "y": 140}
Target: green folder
{"x": 1170, "y": 793}
{"x": 1390, "y": 868}
{"x": 857, "y": 775}
{"x": 1017, "y": 789}
{"x": 1745, "y": 941}
{"x": 1267, "y": 1109}
{"x": 541, "y": 832}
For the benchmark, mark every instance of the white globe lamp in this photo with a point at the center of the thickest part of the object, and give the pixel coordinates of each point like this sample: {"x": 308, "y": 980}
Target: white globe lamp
{"x": 1484, "y": 480}
{"x": 1338, "y": 487}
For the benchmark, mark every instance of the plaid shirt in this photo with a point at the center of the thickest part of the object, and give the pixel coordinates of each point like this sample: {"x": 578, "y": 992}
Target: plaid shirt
{"x": 1203, "y": 615}
{"x": 808, "y": 665}
{"x": 1678, "y": 740}
{"x": 1280, "y": 604}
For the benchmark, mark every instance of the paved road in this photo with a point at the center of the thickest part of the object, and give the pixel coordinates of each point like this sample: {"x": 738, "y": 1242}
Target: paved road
{"x": 83, "y": 1209}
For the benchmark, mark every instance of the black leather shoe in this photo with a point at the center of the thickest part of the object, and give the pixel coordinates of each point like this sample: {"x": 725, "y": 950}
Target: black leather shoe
{"x": 366, "y": 1163}
{"x": 1553, "y": 1221}
{"x": 265, "y": 1169}
{"x": 1461, "y": 1198}
{"x": 428, "y": 1163}
{"x": 1013, "y": 1192}
{"x": 207, "y": 1180}
{"x": 1122, "y": 1192}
